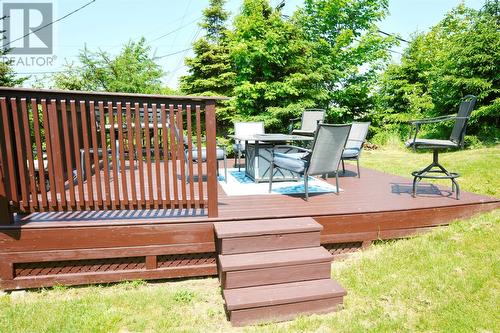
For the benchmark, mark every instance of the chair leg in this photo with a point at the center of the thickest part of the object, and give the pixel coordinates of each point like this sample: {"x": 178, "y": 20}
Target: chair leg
{"x": 225, "y": 168}
{"x": 306, "y": 189}
{"x": 343, "y": 167}
{"x": 239, "y": 160}
{"x": 357, "y": 162}
{"x": 337, "y": 181}
{"x": 271, "y": 170}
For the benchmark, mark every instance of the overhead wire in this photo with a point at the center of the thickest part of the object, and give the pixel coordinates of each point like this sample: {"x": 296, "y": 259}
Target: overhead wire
{"x": 50, "y": 23}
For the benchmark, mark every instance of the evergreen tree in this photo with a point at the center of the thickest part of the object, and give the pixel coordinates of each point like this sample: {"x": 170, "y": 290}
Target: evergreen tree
{"x": 210, "y": 71}
{"x": 7, "y": 76}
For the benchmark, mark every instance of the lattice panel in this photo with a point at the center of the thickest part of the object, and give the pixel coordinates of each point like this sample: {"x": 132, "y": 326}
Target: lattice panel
{"x": 192, "y": 259}
{"x": 79, "y": 266}
{"x": 342, "y": 248}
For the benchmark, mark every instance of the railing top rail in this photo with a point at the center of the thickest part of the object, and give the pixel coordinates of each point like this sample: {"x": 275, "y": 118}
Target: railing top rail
{"x": 108, "y": 96}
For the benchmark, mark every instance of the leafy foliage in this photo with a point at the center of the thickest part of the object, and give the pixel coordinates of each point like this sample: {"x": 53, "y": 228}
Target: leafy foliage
{"x": 458, "y": 56}
{"x": 133, "y": 71}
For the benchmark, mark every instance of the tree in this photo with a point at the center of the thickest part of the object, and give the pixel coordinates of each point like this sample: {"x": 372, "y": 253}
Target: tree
{"x": 134, "y": 70}
{"x": 7, "y": 75}
{"x": 274, "y": 78}
{"x": 458, "y": 56}
{"x": 210, "y": 69}
{"x": 347, "y": 50}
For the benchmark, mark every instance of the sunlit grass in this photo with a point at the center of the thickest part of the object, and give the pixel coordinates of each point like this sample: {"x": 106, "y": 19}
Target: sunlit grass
{"x": 479, "y": 168}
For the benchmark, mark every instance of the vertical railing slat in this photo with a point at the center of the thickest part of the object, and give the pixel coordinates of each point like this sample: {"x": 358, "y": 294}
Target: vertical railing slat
{"x": 147, "y": 140}
{"x": 27, "y": 162}
{"x": 68, "y": 154}
{"x": 201, "y": 197}
{"x": 121, "y": 149}
{"x": 115, "y": 203}
{"x": 131, "y": 157}
{"x": 78, "y": 160}
{"x": 156, "y": 137}
{"x": 29, "y": 153}
{"x": 10, "y": 170}
{"x": 174, "y": 150}
{"x": 55, "y": 142}
{"x": 182, "y": 158}
{"x": 39, "y": 154}
{"x": 191, "y": 201}
{"x": 138, "y": 142}
{"x": 21, "y": 152}
{"x": 105, "y": 159}
{"x": 165, "y": 141}
{"x": 95, "y": 153}
{"x": 50, "y": 159}
{"x": 86, "y": 152}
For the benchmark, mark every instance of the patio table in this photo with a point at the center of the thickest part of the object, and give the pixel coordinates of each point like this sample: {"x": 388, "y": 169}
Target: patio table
{"x": 258, "y": 153}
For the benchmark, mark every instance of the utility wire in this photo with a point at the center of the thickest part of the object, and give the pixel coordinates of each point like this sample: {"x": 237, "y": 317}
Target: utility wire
{"x": 50, "y": 23}
{"x": 392, "y": 35}
{"x": 171, "y": 54}
{"x": 175, "y": 30}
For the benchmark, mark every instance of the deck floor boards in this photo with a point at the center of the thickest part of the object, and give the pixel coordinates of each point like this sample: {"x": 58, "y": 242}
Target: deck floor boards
{"x": 374, "y": 192}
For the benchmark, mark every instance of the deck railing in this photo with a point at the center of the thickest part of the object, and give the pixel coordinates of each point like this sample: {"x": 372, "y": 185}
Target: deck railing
{"x": 65, "y": 151}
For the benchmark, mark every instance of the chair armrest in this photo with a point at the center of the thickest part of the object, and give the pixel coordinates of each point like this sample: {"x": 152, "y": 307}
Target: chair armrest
{"x": 305, "y": 150}
{"x": 433, "y": 120}
{"x": 290, "y": 125}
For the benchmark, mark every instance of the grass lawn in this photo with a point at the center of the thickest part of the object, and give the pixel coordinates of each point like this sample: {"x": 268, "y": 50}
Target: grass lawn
{"x": 444, "y": 281}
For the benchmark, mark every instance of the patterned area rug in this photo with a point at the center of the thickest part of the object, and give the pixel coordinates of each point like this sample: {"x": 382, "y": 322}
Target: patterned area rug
{"x": 240, "y": 184}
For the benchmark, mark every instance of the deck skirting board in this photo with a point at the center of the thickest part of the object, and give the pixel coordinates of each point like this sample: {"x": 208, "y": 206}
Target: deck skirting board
{"x": 32, "y": 257}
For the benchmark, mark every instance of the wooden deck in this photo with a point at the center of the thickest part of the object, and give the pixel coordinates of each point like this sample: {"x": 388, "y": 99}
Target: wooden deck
{"x": 87, "y": 247}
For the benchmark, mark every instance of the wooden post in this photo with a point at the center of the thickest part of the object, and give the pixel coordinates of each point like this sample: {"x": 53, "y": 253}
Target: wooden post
{"x": 213, "y": 210}
{"x": 6, "y": 216}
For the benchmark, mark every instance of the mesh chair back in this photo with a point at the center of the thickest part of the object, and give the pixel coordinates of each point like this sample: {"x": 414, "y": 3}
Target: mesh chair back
{"x": 357, "y": 135}
{"x": 247, "y": 128}
{"x": 464, "y": 112}
{"x": 327, "y": 148}
{"x": 311, "y": 118}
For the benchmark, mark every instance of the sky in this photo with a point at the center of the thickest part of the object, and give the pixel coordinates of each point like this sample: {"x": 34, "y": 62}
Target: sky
{"x": 170, "y": 27}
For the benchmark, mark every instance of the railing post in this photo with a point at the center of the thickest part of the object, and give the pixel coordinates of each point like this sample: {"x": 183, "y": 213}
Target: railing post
{"x": 5, "y": 215}
{"x": 213, "y": 209}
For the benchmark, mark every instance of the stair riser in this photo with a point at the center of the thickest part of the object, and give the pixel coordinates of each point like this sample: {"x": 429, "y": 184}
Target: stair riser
{"x": 274, "y": 275}
{"x": 283, "y": 312}
{"x": 268, "y": 242}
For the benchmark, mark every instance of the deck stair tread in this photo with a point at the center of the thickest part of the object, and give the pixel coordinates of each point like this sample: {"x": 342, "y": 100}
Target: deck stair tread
{"x": 258, "y": 260}
{"x": 270, "y": 295}
{"x": 266, "y": 227}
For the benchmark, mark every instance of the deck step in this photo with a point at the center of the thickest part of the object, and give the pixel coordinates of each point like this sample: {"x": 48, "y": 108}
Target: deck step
{"x": 280, "y": 302}
{"x": 266, "y": 235}
{"x": 273, "y": 267}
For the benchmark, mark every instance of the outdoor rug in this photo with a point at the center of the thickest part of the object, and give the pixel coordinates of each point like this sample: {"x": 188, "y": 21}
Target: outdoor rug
{"x": 240, "y": 184}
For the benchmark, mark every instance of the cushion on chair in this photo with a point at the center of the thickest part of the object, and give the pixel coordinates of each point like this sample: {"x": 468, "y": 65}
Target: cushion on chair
{"x": 431, "y": 143}
{"x": 292, "y": 162}
{"x": 350, "y": 152}
{"x": 238, "y": 147}
{"x": 219, "y": 152}
{"x": 300, "y": 132}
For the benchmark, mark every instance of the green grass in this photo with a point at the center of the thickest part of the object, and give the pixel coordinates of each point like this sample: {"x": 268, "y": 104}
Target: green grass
{"x": 444, "y": 281}
{"x": 479, "y": 168}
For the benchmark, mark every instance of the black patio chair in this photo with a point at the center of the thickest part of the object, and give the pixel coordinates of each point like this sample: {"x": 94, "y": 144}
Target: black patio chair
{"x": 354, "y": 145}
{"x": 435, "y": 170}
{"x": 310, "y": 120}
{"x": 322, "y": 159}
